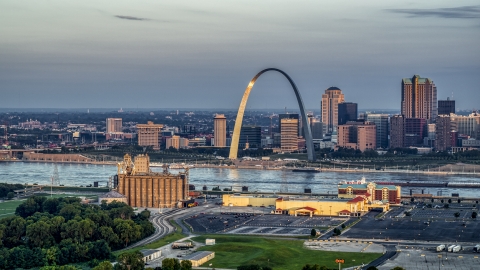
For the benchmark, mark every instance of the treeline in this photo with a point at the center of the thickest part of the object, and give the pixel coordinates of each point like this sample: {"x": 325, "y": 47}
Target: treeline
{"x": 9, "y": 188}
{"x": 353, "y": 153}
{"x": 58, "y": 231}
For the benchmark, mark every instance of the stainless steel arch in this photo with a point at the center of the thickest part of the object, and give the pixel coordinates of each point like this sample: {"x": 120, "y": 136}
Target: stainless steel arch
{"x": 241, "y": 110}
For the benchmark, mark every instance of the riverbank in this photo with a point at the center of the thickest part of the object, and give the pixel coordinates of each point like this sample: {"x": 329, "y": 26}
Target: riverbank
{"x": 441, "y": 171}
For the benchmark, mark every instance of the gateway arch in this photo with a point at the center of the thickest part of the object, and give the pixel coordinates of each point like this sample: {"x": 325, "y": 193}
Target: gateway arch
{"x": 241, "y": 110}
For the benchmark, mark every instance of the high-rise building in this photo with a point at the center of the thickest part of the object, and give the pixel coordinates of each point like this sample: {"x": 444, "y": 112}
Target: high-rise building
{"x": 114, "y": 125}
{"x": 149, "y": 135}
{"x": 357, "y": 135}
{"x": 443, "y": 134}
{"x": 419, "y": 98}
{"x": 289, "y": 135}
{"x": 446, "y": 106}
{"x": 220, "y": 130}
{"x": 397, "y": 131}
{"x": 381, "y": 124}
{"x": 251, "y": 135}
{"x": 329, "y": 108}
{"x": 347, "y": 111}
{"x": 282, "y": 116}
{"x": 317, "y": 128}
{"x": 415, "y": 131}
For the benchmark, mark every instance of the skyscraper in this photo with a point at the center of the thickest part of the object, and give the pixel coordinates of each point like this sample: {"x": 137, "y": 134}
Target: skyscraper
{"x": 443, "y": 134}
{"x": 289, "y": 135}
{"x": 288, "y": 116}
{"x": 381, "y": 124}
{"x": 252, "y": 135}
{"x": 347, "y": 111}
{"x": 415, "y": 131}
{"x": 329, "y": 108}
{"x": 317, "y": 128}
{"x": 220, "y": 130}
{"x": 446, "y": 106}
{"x": 397, "y": 131}
{"x": 419, "y": 98}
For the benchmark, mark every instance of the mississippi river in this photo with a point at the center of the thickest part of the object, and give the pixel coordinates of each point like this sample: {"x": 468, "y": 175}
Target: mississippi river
{"x": 256, "y": 180}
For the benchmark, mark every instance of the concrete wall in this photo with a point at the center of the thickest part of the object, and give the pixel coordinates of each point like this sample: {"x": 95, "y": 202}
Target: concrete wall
{"x": 27, "y": 156}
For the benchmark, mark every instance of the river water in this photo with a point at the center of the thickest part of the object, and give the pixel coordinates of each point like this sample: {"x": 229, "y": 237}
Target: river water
{"x": 256, "y": 180}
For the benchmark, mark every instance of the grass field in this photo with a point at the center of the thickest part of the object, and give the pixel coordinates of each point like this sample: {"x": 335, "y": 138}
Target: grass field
{"x": 159, "y": 243}
{"x": 7, "y": 208}
{"x": 233, "y": 251}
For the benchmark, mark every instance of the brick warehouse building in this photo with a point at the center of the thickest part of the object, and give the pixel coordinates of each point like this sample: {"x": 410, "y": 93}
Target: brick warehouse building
{"x": 373, "y": 191}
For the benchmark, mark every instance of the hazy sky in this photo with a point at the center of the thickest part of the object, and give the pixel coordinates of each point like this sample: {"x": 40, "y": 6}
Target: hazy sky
{"x": 202, "y": 54}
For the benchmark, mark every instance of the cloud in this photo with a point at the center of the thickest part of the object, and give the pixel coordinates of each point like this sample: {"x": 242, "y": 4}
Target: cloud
{"x": 131, "y": 18}
{"x": 465, "y": 12}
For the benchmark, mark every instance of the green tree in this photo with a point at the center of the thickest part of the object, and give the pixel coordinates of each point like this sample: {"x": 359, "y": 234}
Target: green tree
{"x": 313, "y": 232}
{"x": 105, "y": 265}
{"x": 10, "y": 195}
{"x": 38, "y": 234}
{"x": 170, "y": 264}
{"x": 249, "y": 267}
{"x": 27, "y": 208}
{"x": 2, "y": 233}
{"x": 398, "y": 268}
{"x": 186, "y": 265}
{"x": 63, "y": 267}
{"x": 449, "y": 200}
{"x": 56, "y": 227}
{"x": 474, "y": 214}
{"x": 51, "y": 205}
{"x": 69, "y": 211}
{"x": 144, "y": 215}
{"x": 457, "y": 214}
{"x": 130, "y": 261}
{"x": 127, "y": 230}
{"x": 314, "y": 267}
{"x": 109, "y": 235}
{"x": 15, "y": 229}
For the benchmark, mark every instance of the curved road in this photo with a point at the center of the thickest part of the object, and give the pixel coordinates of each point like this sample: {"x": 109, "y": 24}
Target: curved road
{"x": 162, "y": 228}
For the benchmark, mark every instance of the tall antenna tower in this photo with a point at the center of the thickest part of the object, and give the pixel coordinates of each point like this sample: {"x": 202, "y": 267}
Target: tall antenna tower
{"x": 55, "y": 177}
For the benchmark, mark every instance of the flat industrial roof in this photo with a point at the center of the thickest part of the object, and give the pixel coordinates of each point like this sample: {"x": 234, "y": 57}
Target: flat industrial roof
{"x": 197, "y": 255}
{"x": 147, "y": 252}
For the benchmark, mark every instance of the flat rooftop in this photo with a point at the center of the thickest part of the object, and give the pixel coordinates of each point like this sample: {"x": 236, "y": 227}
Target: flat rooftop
{"x": 197, "y": 255}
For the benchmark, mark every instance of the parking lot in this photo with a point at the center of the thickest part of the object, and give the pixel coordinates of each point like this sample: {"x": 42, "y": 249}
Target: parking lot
{"x": 258, "y": 223}
{"x": 421, "y": 225}
{"x": 419, "y": 258}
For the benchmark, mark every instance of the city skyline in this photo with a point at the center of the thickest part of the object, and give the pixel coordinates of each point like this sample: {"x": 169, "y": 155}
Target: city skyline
{"x": 181, "y": 54}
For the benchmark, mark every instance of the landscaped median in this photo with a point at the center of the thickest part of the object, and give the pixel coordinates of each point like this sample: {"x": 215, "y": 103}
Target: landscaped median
{"x": 232, "y": 251}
